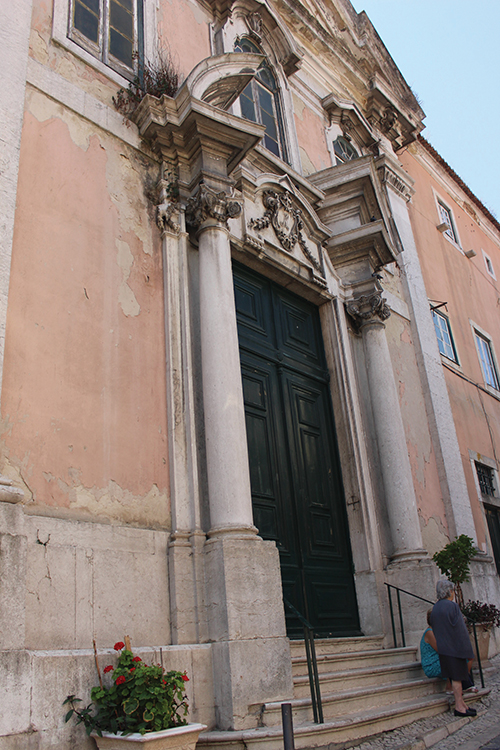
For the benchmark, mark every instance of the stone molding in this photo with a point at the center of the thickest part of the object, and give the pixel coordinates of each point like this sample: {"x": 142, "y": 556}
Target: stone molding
{"x": 368, "y": 307}
{"x": 389, "y": 177}
{"x": 209, "y": 204}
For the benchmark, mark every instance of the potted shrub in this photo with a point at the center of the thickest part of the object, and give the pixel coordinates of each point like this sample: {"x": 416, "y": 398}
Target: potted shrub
{"x": 485, "y": 617}
{"x": 137, "y": 703}
{"x": 454, "y": 562}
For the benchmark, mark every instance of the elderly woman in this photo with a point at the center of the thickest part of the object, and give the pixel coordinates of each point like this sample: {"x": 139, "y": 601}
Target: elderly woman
{"x": 453, "y": 642}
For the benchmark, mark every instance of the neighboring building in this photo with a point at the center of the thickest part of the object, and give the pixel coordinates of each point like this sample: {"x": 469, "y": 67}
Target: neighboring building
{"x": 458, "y": 243}
{"x": 221, "y": 383}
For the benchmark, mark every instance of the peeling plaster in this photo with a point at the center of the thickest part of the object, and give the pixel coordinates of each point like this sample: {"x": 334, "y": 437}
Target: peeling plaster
{"x": 43, "y": 108}
{"x": 126, "y": 297}
{"x": 125, "y": 174}
{"x": 434, "y": 534}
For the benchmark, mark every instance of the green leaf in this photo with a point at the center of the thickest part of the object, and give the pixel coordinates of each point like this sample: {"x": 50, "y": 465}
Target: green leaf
{"x": 69, "y": 714}
{"x": 130, "y": 705}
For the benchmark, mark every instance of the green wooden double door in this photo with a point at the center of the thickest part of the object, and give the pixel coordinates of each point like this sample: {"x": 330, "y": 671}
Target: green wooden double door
{"x": 297, "y": 491}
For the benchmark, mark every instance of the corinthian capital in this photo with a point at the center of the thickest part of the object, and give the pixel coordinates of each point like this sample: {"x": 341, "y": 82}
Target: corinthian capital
{"x": 368, "y": 307}
{"x": 207, "y": 204}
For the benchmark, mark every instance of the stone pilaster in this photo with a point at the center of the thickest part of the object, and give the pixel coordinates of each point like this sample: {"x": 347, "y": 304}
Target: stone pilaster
{"x": 369, "y": 311}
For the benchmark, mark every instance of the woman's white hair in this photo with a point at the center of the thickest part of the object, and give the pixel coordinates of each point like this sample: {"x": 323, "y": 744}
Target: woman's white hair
{"x": 443, "y": 588}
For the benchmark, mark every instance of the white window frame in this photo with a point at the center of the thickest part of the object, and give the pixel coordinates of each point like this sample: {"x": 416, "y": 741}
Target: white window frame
{"x": 121, "y": 75}
{"x": 489, "y": 265}
{"x": 451, "y": 343}
{"x": 477, "y": 331}
{"x": 452, "y": 234}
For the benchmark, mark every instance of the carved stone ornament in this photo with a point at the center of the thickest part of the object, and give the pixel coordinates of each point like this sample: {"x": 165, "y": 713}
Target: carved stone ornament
{"x": 287, "y": 223}
{"x": 164, "y": 214}
{"x": 369, "y": 306}
{"x": 207, "y": 204}
{"x": 388, "y": 119}
{"x": 390, "y": 177}
{"x": 254, "y": 21}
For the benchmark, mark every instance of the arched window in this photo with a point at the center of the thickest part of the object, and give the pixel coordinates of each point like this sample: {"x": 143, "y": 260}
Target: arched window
{"x": 344, "y": 150}
{"x": 260, "y": 102}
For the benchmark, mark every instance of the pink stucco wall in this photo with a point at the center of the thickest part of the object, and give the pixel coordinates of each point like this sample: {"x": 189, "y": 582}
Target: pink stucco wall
{"x": 83, "y": 399}
{"x": 472, "y": 298}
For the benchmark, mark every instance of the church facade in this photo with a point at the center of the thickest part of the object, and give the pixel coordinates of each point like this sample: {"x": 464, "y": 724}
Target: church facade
{"x": 223, "y": 396}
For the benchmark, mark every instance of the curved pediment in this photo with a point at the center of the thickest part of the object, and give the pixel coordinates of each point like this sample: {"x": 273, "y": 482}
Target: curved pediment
{"x": 220, "y": 80}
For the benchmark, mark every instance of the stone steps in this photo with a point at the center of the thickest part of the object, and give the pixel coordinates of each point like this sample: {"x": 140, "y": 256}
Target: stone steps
{"x": 339, "y": 645}
{"x": 334, "y": 682}
{"x": 365, "y": 690}
{"x": 328, "y": 663}
{"x": 336, "y": 732}
{"x": 348, "y": 702}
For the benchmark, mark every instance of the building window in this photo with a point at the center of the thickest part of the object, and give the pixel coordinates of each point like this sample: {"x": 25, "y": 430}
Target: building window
{"x": 489, "y": 265}
{"x": 444, "y": 338}
{"x": 260, "y": 102}
{"x": 487, "y": 362}
{"x": 446, "y": 218}
{"x": 485, "y": 479}
{"x": 493, "y": 520}
{"x": 344, "y": 150}
{"x": 111, "y": 30}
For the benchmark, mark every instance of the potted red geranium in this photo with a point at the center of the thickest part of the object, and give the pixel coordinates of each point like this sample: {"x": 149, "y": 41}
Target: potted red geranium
{"x": 137, "y": 703}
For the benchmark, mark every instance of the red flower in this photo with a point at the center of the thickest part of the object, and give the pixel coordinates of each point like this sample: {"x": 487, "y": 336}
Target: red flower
{"x": 164, "y": 682}
{"x": 107, "y": 669}
{"x": 133, "y": 669}
{"x": 137, "y": 658}
{"x": 120, "y": 680}
{"x": 118, "y": 646}
{"x": 185, "y": 678}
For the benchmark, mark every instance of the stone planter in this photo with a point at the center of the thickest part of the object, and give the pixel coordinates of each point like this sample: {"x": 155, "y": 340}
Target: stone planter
{"x": 178, "y": 738}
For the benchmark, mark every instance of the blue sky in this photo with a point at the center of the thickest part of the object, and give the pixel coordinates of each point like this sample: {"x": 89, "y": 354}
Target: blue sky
{"x": 449, "y": 53}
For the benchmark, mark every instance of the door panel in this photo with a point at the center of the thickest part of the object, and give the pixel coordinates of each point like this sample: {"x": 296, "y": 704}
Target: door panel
{"x": 295, "y": 474}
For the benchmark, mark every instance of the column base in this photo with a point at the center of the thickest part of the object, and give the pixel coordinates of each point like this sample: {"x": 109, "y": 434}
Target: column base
{"x": 246, "y": 623}
{"x": 410, "y": 556}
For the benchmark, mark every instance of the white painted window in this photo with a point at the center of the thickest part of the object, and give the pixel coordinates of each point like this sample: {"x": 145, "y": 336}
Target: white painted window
{"x": 444, "y": 337}
{"x": 446, "y": 217}
{"x": 489, "y": 265}
{"x": 260, "y": 102}
{"x": 486, "y": 358}
{"x": 344, "y": 150}
{"x": 110, "y": 30}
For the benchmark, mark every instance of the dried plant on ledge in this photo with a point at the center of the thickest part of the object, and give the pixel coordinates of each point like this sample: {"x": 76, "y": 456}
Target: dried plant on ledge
{"x": 157, "y": 77}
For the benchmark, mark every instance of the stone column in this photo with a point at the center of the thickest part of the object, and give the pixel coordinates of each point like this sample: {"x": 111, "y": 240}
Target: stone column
{"x": 226, "y": 442}
{"x": 370, "y": 311}
{"x": 250, "y": 651}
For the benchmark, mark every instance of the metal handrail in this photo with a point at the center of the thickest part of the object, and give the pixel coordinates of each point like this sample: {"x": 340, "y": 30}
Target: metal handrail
{"x": 312, "y": 664}
{"x": 401, "y": 624}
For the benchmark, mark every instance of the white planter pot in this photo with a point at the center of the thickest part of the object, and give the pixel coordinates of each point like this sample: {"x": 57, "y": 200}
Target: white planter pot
{"x": 178, "y": 738}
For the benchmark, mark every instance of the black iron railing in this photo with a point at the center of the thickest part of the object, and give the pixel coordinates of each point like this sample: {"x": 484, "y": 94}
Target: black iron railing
{"x": 312, "y": 664}
{"x": 402, "y": 627}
